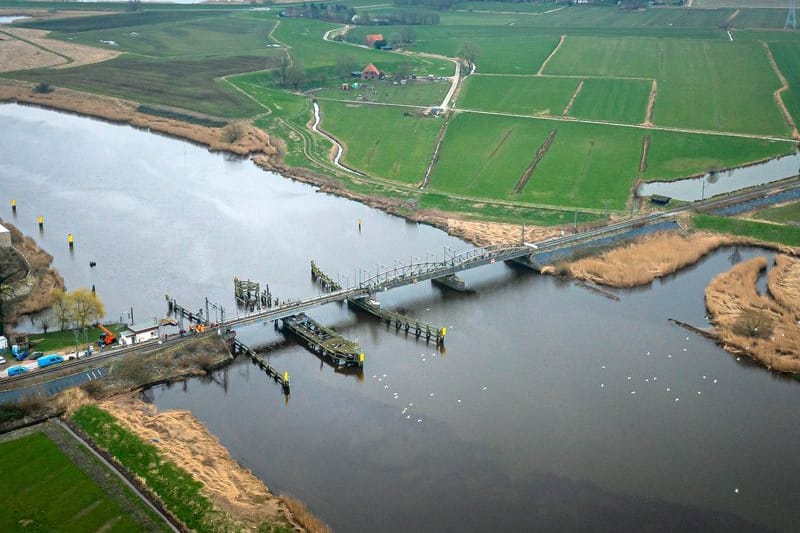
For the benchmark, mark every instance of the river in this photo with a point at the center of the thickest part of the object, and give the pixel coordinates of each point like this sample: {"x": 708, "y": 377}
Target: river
{"x": 552, "y": 408}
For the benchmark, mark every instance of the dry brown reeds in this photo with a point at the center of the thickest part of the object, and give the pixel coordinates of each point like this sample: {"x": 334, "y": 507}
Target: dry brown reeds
{"x": 757, "y": 325}
{"x": 640, "y": 262}
{"x": 304, "y": 517}
{"x": 784, "y": 282}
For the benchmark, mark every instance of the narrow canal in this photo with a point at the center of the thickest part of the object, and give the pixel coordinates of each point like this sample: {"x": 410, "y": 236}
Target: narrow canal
{"x": 552, "y": 408}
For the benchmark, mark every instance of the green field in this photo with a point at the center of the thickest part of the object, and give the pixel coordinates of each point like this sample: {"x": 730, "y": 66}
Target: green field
{"x": 677, "y": 155}
{"x": 517, "y": 95}
{"x": 383, "y": 140}
{"x": 484, "y": 156}
{"x": 614, "y": 100}
{"x": 785, "y": 214}
{"x": 702, "y": 84}
{"x": 762, "y": 231}
{"x": 46, "y": 491}
{"x": 787, "y": 56}
{"x": 60, "y": 340}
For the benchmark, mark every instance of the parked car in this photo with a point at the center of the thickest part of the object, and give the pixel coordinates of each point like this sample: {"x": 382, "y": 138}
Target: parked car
{"x": 2, "y": 360}
{"x": 16, "y": 370}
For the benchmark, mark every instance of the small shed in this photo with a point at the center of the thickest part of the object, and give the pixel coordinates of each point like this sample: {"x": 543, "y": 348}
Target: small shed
{"x": 345, "y": 86}
{"x": 5, "y": 237}
{"x": 374, "y": 38}
{"x": 660, "y": 200}
{"x": 136, "y": 333}
{"x": 371, "y": 72}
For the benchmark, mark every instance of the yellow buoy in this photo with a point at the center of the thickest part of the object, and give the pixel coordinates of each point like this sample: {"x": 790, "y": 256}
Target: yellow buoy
{"x": 41, "y": 221}
{"x": 286, "y": 377}
{"x": 361, "y": 358}
{"x": 70, "y": 240}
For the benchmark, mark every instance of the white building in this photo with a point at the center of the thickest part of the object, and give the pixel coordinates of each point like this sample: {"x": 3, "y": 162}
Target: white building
{"x": 136, "y": 333}
{"x": 5, "y": 237}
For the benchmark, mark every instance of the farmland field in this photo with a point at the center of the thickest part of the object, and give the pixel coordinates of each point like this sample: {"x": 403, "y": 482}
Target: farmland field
{"x": 675, "y": 155}
{"x": 484, "y": 156}
{"x": 420, "y": 92}
{"x": 702, "y": 84}
{"x": 787, "y": 56}
{"x": 400, "y": 152}
{"x": 46, "y": 491}
{"x": 517, "y": 95}
{"x": 615, "y": 100}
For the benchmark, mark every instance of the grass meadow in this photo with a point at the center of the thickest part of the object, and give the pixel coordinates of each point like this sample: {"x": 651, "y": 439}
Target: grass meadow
{"x": 677, "y": 155}
{"x": 789, "y": 213}
{"x": 383, "y": 140}
{"x": 763, "y": 231}
{"x": 613, "y": 100}
{"x": 517, "y": 95}
{"x": 787, "y": 56}
{"x": 46, "y": 491}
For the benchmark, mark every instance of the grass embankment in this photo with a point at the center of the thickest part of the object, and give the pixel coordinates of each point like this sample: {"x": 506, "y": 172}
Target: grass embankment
{"x": 759, "y": 231}
{"x": 759, "y": 326}
{"x": 789, "y": 213}
{"x": 174, "y": 486}
{"x": 640, "y": 262}
{"x": 238, "y": 495}
{"x": 45, "y": 491}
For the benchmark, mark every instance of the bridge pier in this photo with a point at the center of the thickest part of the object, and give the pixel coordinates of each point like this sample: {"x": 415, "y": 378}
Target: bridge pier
{"x": 451, "y": 282}
{"x": 526, "y": 261}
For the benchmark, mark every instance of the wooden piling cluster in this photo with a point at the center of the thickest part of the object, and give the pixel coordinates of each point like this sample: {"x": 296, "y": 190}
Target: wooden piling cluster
{"x": 250, "y": 296}
{"x": 323, "y": 279}
{"x": 281, "y": 378}
{"x": 399, "y": 321}
{"x": 325, "y": 342}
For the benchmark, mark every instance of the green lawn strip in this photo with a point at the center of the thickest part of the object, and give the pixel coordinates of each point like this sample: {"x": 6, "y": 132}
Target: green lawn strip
{"x": 522, "y": 7}
{"x": 53, "y": 341}
{"x": 48, "y": 492}
{"x": 787, "y": 56}
{"x": 675, "y": 155}
{"x": 113, "y": 21}
{"x": 587, "y": 165}
{"x": 523, "y": 96}
{"x": 762, "y": 231}
{"x": 614, "y": 100}
{"x": 484, "y": 156}
{"x": 718, "y": 86}
{"x": 176, "y": 488}
{"x": 761, "y": 18}
{"x": 186, "y": 83}
{"x": 789, "y": 213}
{"x": 392, "y": 142}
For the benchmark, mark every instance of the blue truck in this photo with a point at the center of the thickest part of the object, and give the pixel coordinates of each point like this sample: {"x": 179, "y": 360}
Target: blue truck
{"x": 49, "y": 360}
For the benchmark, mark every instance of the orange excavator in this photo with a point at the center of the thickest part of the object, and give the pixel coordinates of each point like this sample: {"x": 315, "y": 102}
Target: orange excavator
{"x": 107, "y": 338}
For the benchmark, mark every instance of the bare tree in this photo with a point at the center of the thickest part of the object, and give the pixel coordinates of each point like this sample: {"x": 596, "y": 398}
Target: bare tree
{"x": 45, "y": 320}
{"x": 470, "y": 51}
{"x": 284, "y": 62}
{"x": 296, "y": 75}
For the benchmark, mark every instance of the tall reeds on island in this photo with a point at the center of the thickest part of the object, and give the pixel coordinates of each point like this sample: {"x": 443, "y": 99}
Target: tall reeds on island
{"x": 640, "y": 262}
{"x": 763, "y": 326}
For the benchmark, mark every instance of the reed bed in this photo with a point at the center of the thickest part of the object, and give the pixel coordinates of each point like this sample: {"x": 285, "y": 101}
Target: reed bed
{"x": 640, "y": 262}
{"x": 753, "y": 324}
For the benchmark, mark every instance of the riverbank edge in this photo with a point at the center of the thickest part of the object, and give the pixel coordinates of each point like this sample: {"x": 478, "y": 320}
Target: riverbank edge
{"x": 258, "y": 146}
{"x": 62, "y": 405}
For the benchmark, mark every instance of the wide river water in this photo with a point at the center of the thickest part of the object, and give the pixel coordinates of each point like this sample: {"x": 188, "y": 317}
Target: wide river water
{"x": 552, "y": 409}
